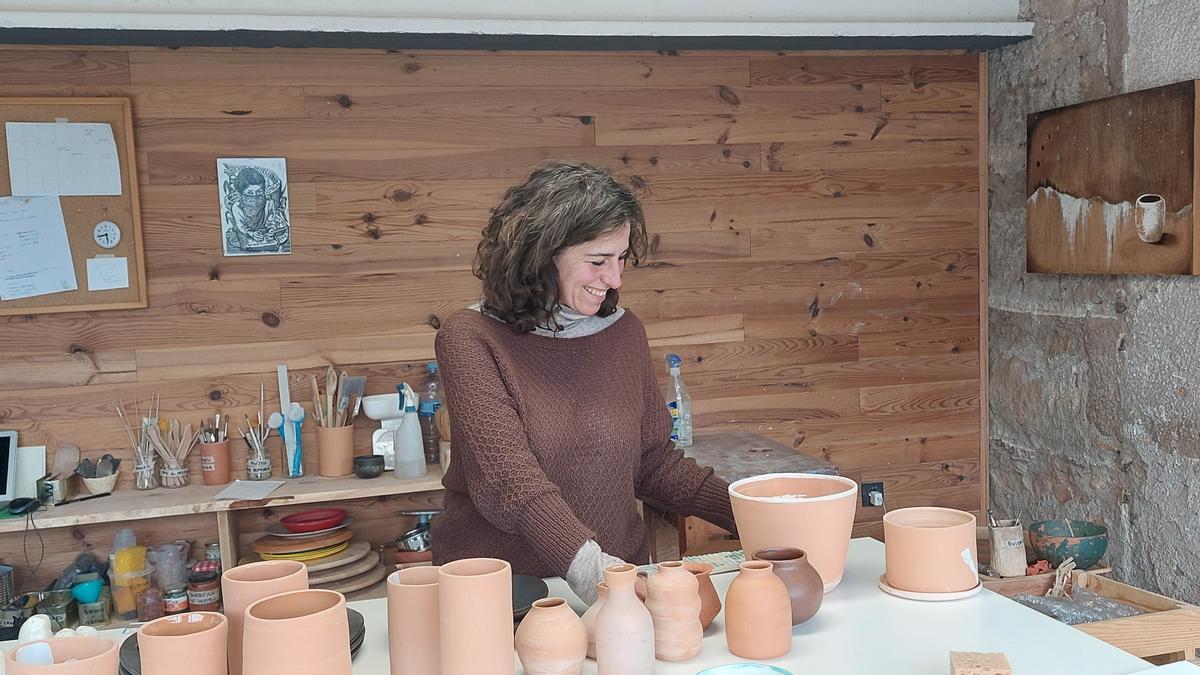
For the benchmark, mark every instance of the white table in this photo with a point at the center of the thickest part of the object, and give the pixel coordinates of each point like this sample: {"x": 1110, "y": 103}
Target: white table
{"x": 859, "y": 629}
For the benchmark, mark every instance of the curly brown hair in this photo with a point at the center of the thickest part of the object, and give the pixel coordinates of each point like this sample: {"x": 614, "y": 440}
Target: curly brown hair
{"x": 562, "y": 204}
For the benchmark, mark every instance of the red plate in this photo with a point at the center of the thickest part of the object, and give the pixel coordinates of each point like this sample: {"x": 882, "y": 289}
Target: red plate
{"x": 312, "y": 521}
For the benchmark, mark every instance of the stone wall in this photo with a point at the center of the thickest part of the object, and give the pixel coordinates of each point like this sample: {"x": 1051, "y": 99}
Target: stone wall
{"x": 1095, "y": 381}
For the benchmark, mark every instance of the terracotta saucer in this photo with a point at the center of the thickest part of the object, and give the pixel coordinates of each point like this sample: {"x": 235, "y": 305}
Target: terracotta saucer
{"x": 279, "y": 545}
{"x": 927, "y": 597}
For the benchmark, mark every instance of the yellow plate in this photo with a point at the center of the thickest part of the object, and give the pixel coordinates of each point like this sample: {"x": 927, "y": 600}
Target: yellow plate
{"x": 307, "y": 555}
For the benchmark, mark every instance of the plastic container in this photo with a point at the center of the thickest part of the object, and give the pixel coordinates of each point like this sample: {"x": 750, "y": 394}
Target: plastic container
{"x": 409, "y": 451}
{"x": 430, "y": 401}
{"x": 679, "y": 403}
{"x": 127, "y": 587}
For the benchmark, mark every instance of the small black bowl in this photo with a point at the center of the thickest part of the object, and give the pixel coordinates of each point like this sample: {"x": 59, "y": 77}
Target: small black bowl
{"x": 368, "y": 466}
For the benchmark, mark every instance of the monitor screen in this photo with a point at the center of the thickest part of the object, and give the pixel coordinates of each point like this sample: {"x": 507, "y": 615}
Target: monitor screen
{"x": 8, "y": 465}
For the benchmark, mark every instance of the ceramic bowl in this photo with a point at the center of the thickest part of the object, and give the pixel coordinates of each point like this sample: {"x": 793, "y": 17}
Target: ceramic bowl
{"x": 88, "y": 591}
{"x": 368, "y": 466}
{"x": 1057, "y": 540}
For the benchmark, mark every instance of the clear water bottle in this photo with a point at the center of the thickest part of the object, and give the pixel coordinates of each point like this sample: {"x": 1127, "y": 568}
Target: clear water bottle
{"x": 431, "y": 400}
{"x": 679, "y": 403}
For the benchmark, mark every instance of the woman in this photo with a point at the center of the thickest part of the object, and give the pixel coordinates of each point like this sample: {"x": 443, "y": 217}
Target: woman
{"x": 557, "y": 420}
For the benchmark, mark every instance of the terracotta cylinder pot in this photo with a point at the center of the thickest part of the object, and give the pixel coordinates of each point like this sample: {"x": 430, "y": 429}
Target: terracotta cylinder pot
{"x": 91, "y": 656}
{"x": 244, "y": 585}
{"x": 214, "y": 462}
{"x": 624, "y": 628}
{"x": 192, "y": 643}
{"x": 297, "y": 633}
{"x": 673, "y": 598}
{"x": 551, "y": 640}
{"x": 414, "y": 642}
{"x": 335, "y": 451}
{"x": 811, "y": 512}
{"x": 758, "y": 613}
{"x": 804, "y": 585}
{"x": 589, "y": 618}
{"x": 475, "y": 617}
{"x": 929, "y": 549}
{"x": 710, "y": 602}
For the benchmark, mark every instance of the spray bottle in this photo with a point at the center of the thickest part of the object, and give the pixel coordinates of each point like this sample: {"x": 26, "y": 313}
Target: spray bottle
{"x": 408, "y": 446}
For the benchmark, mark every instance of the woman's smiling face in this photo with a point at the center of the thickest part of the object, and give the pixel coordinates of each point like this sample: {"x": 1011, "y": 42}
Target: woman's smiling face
{"x": 587, "y": 271}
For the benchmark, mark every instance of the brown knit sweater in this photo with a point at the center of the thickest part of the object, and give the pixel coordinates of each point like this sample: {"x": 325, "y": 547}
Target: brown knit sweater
{"x": 553, "y": 439}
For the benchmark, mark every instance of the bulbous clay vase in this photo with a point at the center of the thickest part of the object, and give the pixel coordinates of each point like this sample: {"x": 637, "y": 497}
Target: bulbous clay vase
{"x": 198, "y": 639}
{"x": 92, "y": 656}
{"x": 297, "y": 633}
{"x": 414, "y": 637}
{"x": 589, "y": 618}
{"x": 803, "y": 583}
{"x": 242, "y": 586}
{"x": 475, "y": 616}
{"x": 811, "y": 512}
{"x": 624, "y": 629}
{"x": 758, "y": 613}
{"x": 551, "y": 639}
{"x": 930, "y": 549}
{"x": 673, "y": 598}
{"x": 710, "y": 602}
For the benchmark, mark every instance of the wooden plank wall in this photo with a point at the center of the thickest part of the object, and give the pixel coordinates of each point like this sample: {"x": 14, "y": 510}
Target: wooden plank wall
{"x": 815, "y": 222}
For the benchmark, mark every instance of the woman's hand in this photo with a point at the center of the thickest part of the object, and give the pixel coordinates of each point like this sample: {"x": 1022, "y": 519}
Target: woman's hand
{"x": 587, "y": 570}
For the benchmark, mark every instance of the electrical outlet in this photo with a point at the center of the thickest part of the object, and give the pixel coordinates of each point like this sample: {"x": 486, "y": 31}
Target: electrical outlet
{"x": 867, "y": 489}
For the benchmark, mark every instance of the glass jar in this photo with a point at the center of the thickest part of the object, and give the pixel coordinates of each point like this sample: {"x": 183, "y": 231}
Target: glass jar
{"x": 204, "y": 591}
{"x": 144, "y": 475}
{"x": 149, "y": 604}
{"x": 212, "y": 550}
{"x": 175, "y": 600}
{"x": 258, "y": 468}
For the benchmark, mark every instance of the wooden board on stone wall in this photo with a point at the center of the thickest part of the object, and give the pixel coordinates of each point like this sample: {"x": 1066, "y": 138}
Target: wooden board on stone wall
{"x": 1101, "y": 174}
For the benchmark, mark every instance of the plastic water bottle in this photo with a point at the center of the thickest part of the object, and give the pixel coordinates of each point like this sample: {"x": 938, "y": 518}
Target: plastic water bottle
{"x": 679, "y": 403}
{"x": 409, "y": 459}
{"x": 431, "y": 400}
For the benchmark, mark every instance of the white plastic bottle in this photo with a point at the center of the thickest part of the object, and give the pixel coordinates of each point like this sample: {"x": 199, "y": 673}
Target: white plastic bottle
{"x": 409, "y": 451}
{"x": 679, "y": 403}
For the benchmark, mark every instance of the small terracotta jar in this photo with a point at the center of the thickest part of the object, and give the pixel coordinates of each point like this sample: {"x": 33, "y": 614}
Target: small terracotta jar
{"x": 475, "y": 612}
{"x": 624, "y": 628}
{"x": 192, "y": 642}
{"x": 414, "y": 636}
{"x": 551, "y": 639}
{"x": 589, "y": 618}
{"x": 244, "y": 585}
{"x": 710, "y": 602}
{"x": 758, "y": 613}
{"x": 297, "y": 633}
{"x": 803, "y": 582}
{"x": 335, "y": 451}
{"x": 72, "y": 656}
{"x": 214, "y": 462}
{"x": 673, "y": 598}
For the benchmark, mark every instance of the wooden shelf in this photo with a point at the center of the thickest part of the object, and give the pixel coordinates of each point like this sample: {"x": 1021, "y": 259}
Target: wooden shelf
{"x": 129, "y": 504}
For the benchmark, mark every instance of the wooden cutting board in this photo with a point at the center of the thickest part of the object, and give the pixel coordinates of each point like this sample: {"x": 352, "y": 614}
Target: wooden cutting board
{"x": 368, "y": 578}
{"x": 357, "y": 550}
{"x": 270, "y": 544}
{"x": 355, "y": 568}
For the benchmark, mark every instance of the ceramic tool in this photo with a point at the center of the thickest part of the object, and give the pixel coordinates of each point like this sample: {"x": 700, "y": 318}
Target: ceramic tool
{"x": 285, "y": 406}
{"x": 295, "y": 463}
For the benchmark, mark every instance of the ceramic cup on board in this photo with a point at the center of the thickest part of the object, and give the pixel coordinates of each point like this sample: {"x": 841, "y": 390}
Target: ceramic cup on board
{"x": 297, "y": 633}
{"x": 808, "y": 511}
{"x": 414, "y": 642}
{"x": 241, "y": 586}
{"x": 929, "y": 549}
{"x": 72, "y": 656}
{"x": 551, "y": 639}
{"x": 197, "y": 639}
{"x": 475, "y": 615}
{"x": 673, "y": 598}
{"x": 803, "y": 583}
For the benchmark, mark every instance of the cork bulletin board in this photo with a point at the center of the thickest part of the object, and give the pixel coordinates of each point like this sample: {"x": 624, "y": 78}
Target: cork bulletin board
{"x": 82, "y": 213}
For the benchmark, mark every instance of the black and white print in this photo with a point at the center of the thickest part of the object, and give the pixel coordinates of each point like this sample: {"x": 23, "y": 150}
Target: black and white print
{"x": 254, "y": 206}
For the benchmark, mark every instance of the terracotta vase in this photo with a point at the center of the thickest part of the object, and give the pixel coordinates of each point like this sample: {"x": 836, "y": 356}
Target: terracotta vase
{"x": 589, "y": 618}
{"x": 673, "y": 598}
{"x": 803, "y": 583}
{"x": 86, "y": 656}
{"x": 551, "y": 639}
{"x": 242, "y": 586}
{"x": 214, "y": 462}
{"x": 197, "y": 639}
{"x": 297, "y": 633}
{"x": 758, "y": 613}
{"x": 811, "y": 512}
{"x": 624, "y": 628}
{"x": 930, "y": 549}
{"x": 475, "y": 617}
{"x": 710, "y": 602}
{"x": 414, "y": 642}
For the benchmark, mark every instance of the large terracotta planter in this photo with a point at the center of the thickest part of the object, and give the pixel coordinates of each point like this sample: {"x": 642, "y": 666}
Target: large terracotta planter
{"x": 589, "y": 618}
{"x": 244, "y": 585}
{"x": 811, "y": 512}
{"x": 758, "y": 613}
{"x": 673, "y": 598}
{"x": 929, "y": 549}
{"x": 197, "y": 639}
{"x": 297, "y": 633}
{"x": 91, "y": 656}
{"x": 551, "y": 640}
{"x": 710, "y": 602}
{"x": 475, "y": 617}
{"x": 804, "y": 585}
{"x": 624, "y": 628}
{"x": 414, "y": 643}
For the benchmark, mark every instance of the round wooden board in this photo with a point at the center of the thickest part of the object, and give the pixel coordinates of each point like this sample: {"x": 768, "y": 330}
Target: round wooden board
{"x": 357, "y": 550}
{"x": 270, "y": 544}
{"x": 368, "y": 578}
{"x": 353, "y": 569}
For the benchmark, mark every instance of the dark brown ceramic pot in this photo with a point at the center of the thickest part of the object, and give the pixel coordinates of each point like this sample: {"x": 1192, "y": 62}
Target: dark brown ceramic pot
{"x": 803, "y": 582}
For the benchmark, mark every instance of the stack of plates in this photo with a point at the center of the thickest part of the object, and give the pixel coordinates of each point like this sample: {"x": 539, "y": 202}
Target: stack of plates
{"x": 325, "y": 544}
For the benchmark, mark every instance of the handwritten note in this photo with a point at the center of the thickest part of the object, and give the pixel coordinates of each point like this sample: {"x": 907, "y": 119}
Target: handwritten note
{"x": 35, "y": 254}
{"x": 107, "y": 273}
{"x": 62, "y": 158}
